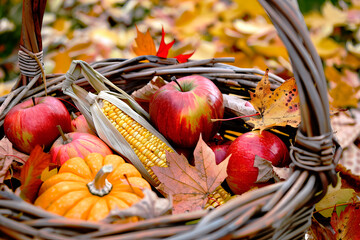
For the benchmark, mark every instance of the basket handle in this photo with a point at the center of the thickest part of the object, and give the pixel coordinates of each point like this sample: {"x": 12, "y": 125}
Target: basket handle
{"x": 315, "y": 147}
{"x": 30, "y": 52}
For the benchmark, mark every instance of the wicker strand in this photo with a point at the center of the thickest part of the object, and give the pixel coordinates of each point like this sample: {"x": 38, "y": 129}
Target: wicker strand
{"x": 29, "y": 63}
{"x": 27, "y": 60}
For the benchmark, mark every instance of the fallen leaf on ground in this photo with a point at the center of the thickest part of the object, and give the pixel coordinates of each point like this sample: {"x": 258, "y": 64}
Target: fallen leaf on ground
{"x": 189, "y": 185}
{"x": 318, "y": 232}
{"x": 349, "y": 163}
{"x": 277, "y": 108}
{"x": 31, "y": 172}
{"x": 347, "y": 225}
{"x": 346, "y": 128}
{"x": 335, "y": 195}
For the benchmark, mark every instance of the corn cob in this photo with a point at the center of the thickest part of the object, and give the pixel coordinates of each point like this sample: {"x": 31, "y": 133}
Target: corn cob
{"x": 149, "y": 148}
{"x": 218, "y": 197}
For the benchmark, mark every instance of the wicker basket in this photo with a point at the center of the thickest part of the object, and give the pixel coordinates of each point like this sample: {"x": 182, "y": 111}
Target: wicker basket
{"x": 278, "y": 211}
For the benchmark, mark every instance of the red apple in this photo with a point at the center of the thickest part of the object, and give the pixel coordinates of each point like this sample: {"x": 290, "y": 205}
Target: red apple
{"x": 76, "y": 144}
{"x": 242, "y": 174}
{"x": 219, "y": 147}
{"x": 181, "y": 112}
{"x": 34, "y": 122}
{"x": 79, "y": 124}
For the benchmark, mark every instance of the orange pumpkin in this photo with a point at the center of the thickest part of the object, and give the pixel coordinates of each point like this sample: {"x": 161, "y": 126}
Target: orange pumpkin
{"x": 89, "y": 188}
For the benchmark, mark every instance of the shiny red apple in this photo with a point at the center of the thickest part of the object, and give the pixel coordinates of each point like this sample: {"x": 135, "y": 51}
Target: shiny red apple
{"x": 79, "y": 124}
{"x": 76, "y": 144}
{"x": 242, "y": 174}
{"x": 34, "y": 122}
{"x": 182, "y": 111}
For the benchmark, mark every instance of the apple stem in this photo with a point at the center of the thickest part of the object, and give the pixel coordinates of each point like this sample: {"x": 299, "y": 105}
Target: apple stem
{"x": 174, "y": 79}
{"x": 33, "y": 100}
{"x": 65, "y": 139}
{"x": 229, "y": 119}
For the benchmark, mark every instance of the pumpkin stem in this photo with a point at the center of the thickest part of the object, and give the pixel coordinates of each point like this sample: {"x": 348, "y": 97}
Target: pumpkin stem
{"x": 100, "y": 186}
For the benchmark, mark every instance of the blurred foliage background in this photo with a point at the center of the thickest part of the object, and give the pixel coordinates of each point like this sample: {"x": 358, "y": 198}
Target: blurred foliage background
{"x": 92, "y": 30}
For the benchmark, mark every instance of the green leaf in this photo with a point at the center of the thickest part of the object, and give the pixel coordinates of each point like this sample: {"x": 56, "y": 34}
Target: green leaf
{"x": 333, "y": 197}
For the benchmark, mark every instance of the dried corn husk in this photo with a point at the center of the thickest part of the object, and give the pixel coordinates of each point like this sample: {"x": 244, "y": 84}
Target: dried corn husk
{"x": 89, "y": 104}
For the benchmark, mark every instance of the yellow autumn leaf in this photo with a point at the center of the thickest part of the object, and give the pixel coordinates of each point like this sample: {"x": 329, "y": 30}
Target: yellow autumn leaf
{"x": 327, "y": 47}
{"x": 62, "y": 25}
{"x": 343, "y": 95}
{"x": 332, "y": 74}
{"x": 276, "y": 108}
{"x": 195, "y": 19}
{"x": 252, "y": 27}
{"x": 269, "y": 50}
{"x": 46, "y": 173}
{"x": 329, "y": 16}
{"x": 335, "y": 195}
{"x": 62, "y": 62}
{"x": 104, "y": 36}
{"x": 246, "y": 7}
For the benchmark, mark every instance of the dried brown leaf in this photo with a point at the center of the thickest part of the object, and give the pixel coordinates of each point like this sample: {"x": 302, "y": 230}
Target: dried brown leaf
{"x": 144, "y": 94}
{"x": 267, "y": 171}
{"x": 7, "y": 156}
{"x": 151, "y": 206}
{"x": 318, "y": 232}
{"x": 346, "y": 128}
{"x": 190, "y": 185}
{"x": 350, "y": 159}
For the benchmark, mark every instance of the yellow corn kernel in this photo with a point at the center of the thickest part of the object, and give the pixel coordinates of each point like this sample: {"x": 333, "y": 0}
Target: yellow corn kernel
{"x": 149, "y": 149}
{"x": 217, "y": 198}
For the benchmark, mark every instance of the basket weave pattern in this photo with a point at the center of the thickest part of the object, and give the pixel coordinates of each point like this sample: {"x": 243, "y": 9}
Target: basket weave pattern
{"x": 279, "y": 211}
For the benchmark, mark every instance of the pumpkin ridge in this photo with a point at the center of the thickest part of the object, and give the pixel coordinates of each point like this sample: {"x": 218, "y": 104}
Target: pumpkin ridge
{"x": 114, "y": 202}
{"x": 99, "y": 210}
{"x": 62, "y": 177}
{"x": 77, "y": 166}
{"x": 62, "y": 205}
{"x": 56, "y": 191}
{"x": 81, "y": 209}
{"x": 95, "y": 162}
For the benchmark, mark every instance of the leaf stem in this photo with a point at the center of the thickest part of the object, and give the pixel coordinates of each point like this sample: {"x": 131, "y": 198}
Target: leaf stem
{"x": 337, "y": 205}
{"x": 127, "y": 179}
{"x": 33, "y": 100}
{"x": 234, "y": 118}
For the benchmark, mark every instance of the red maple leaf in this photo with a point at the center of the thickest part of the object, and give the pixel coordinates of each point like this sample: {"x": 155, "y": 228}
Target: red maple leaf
{"x": 182, "y": 58}
{"x": 145, "y": 46}
{"x": 30, "y": 176}
{"x": 164, "y": 48}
